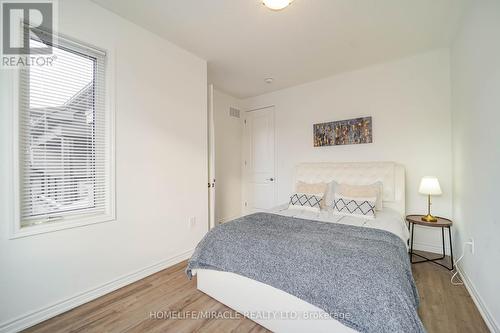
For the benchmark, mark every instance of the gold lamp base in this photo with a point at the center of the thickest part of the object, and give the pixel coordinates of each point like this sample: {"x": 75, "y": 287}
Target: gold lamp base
{"x": 429, "y": 218}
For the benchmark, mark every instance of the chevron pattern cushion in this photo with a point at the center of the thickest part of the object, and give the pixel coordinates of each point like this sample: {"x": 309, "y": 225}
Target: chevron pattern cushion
{"x": 363, "y": 191}
{"x": 306, "y": 201}
{"x": 359, "y": 207}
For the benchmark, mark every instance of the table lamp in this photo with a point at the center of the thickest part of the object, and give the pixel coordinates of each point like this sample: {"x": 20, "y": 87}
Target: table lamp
{"x": 429, "y": 186}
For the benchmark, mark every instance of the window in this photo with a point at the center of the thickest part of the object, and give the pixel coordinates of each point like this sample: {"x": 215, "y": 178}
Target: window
{"x": 64, "y": 138}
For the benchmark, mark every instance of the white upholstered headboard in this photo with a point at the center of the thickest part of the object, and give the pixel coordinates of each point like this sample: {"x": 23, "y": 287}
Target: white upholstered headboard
{"x": 391, "y": 174}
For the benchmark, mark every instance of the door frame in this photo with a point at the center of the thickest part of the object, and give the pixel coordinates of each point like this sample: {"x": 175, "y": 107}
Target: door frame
{"x": 245, "y": 155}
{"x": 211, "y": 158}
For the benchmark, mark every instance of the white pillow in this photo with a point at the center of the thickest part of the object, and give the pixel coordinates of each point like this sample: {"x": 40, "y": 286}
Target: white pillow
{"x": 363, "y": 191}
{"x": 306, "y": 201}
{"x": 354, "y": 206}
{"x": 320, "y": 189}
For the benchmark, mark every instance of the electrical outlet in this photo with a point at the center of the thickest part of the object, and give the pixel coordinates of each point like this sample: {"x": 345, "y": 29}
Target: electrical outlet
{"x": 192, "y": 221}
{"x": 471, "y": 243}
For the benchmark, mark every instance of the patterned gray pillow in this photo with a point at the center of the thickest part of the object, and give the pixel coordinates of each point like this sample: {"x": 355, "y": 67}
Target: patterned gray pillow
{"x": 305, "y": 201}
{"x": 359, "y": 207}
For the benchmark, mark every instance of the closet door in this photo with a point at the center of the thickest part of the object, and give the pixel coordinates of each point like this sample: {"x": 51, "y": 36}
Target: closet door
{"x": 260, "y": 160}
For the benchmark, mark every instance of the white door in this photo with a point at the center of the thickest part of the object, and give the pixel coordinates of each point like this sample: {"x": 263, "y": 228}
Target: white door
{"x": 259, "y": 160}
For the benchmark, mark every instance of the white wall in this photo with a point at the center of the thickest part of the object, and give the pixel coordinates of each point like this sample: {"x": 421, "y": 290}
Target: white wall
{"x": 161, "y": 174}
{"x": 475, "y": 74}
{"x": 409, "y": 102}
{"x": 228, "y": 136}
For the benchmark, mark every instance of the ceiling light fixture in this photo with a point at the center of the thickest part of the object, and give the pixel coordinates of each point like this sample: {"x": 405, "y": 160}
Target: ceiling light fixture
{"x": 276, "y": 4}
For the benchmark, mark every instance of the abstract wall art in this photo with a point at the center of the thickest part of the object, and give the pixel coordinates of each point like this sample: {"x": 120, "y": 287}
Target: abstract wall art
{"x": 343, "y": 132}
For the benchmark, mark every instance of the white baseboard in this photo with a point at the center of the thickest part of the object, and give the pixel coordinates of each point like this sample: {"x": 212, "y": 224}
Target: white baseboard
{"x": 53, "y": 310}
{"x": 481, "y": 306}
{"x": 227, "y": 219}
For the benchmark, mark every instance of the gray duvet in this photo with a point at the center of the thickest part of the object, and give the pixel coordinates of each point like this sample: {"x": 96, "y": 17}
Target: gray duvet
{"x": 361, "y": 276}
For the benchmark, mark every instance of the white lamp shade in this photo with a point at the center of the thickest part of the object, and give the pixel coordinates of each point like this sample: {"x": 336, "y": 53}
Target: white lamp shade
{"x": 430, "y": 185}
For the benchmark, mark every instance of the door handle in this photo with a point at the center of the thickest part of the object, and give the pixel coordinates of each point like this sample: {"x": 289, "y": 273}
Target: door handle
{"x": 271, "y": 179}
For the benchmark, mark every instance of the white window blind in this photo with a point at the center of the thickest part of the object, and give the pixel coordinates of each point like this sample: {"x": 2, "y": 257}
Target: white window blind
{"x": 63, "y": 139}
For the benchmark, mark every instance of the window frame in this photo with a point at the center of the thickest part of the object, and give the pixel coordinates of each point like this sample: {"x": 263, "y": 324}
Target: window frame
{"x": 17, "y": 230}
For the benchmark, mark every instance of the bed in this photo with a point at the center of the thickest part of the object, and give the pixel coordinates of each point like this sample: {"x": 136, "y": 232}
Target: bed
{"x": 276, "y": 304}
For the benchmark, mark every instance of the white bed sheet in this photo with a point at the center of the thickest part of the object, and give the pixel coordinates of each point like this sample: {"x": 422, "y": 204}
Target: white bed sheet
{"x": 388, "y": 219}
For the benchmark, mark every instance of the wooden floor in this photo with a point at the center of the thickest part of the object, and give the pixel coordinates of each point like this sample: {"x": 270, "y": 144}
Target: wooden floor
{"x": 444, "y": 308}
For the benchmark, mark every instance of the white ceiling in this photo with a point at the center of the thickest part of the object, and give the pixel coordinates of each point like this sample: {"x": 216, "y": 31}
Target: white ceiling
{"x": 244, "y": 42}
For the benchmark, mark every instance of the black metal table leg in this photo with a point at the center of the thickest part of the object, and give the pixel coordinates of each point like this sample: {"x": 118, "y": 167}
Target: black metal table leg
{"x": 451, "y": 249}
{"x": 411, "y": 242}
{"x": 434, "y": 259}
{"x": 442, "y": 239}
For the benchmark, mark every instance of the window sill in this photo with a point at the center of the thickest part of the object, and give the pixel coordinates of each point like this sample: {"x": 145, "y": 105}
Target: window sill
{"x": 75, "y": 222}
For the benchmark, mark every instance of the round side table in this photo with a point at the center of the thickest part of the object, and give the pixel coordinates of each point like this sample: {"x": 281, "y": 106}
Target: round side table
{"x": 441, "y": 223}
